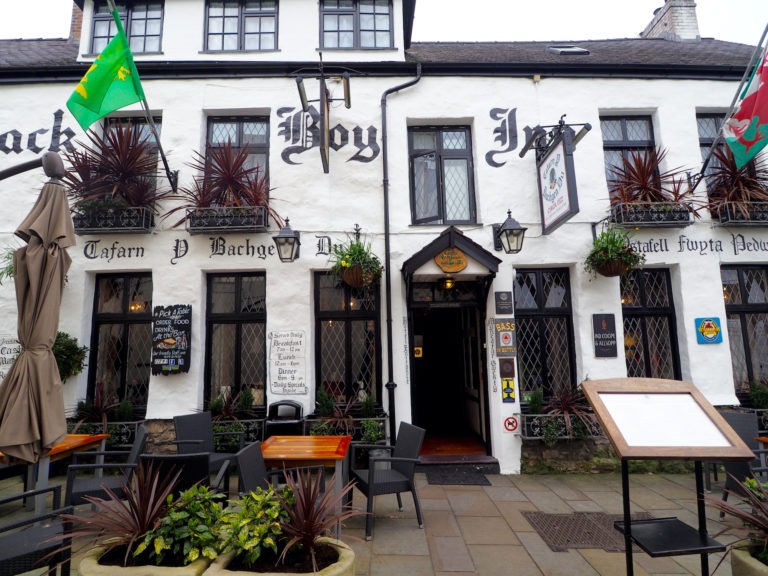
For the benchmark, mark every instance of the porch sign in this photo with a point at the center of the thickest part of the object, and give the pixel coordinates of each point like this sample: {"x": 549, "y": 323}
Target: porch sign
{"x": 506, "y": 344}
{"x": 171, "y": 334}
{"x": 557, "y": 182}
{"x": 604, "y": 335}
{"x": 287, "y": 362}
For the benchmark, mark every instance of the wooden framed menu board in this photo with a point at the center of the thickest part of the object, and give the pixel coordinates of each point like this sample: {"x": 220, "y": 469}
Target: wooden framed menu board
{"x": 649, "y": 418}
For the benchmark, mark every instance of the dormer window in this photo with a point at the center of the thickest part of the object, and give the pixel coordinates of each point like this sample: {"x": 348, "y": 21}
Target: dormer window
{"x": 143, "y": 23}
{"x": 351, "y": 24}
{"x": 238, "y": 25}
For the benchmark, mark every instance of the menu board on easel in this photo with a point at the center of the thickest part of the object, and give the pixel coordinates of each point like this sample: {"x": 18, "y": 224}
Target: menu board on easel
{"x": 171, "y": 335}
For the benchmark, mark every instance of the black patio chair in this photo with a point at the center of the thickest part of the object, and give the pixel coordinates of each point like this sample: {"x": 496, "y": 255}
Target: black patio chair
{"x": 27, "y": 539}
{"x": 118, "y": 474}
{"x": 194, "y": 434}
{"x": 284, "y": 418}
{"x": 396, "y": 474}
{"x": 194, "y": 470}
{"x": 746, "y": 425}
{"x": 255, "y": 474}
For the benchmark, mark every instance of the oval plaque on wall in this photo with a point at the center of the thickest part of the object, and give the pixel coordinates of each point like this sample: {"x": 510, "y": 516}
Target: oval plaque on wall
{"x": 451, "y": 260}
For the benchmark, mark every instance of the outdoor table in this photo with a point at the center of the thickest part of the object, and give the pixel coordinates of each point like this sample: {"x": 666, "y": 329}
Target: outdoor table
{"x": 37, "y": 472}
{"x": 291, "y": 451}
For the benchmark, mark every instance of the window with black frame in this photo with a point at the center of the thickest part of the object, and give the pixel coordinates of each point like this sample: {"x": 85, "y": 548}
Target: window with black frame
{"x": 242, "y": 132}
{"x": 241, "y": 25}
{"x": 350, "y": 24}
{"x": 236, "y": 340}
{"x": 442, "y": 185}
{"x": 621, "y": 135}
{"x": 121, "y": 342}
{"x": 650, "y": 338}
{"x": 745, "y": 291}
{"x": 142, "y": 21}
{"x": 347, "y": 336}
{"x": 544, "y": 328}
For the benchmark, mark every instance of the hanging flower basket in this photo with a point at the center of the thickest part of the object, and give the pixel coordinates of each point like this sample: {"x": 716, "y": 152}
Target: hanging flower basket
{"x": 355, "y": 264}
{"x": 615, "y": 268}
{"x": 356, "y": 277}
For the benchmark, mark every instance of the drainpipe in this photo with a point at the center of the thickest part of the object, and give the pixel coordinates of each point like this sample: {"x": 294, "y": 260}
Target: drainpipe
{"x": 390, "y": 385}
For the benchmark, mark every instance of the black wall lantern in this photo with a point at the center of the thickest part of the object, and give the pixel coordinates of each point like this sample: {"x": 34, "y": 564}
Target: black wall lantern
{"x": 288, "y": 243}
{"x": 509, "y": 236}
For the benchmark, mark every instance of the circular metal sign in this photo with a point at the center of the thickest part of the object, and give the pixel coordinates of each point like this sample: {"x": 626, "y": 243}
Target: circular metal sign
{"x": 510, "y": 424}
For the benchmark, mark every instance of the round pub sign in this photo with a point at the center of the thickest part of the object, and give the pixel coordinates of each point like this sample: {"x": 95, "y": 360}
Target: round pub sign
{"x": 451, "y": 260}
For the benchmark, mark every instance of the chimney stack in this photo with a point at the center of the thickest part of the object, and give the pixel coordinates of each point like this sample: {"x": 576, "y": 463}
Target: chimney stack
{"x": 76, "y": 24}
{"x": 676, "y": 20}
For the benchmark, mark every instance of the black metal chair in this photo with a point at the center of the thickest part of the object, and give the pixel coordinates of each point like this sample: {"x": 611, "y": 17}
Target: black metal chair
{"x": 194, "y": 434}
{"x": 395, "y": 478}
{"x": 119, "y": 473}
{"x": 25, "y": 541}
{"x": 746, "y": 425}
{"x": 254, "y": 473}
{"x": 284, "y": 418}
{"x": 194, "y": 469}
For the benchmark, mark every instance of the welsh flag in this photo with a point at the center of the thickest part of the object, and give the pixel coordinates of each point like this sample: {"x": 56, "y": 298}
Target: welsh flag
{"x": 112, "y": 82}
{"x": 746, "y": 131}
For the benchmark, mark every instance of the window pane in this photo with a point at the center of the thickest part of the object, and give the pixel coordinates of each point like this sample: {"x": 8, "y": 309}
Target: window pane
{"x": 215, "y": 26}
{"x": 738, "y": 354}
{"x": 252, "y": 359}
{"x": 223, "y": 132}
{"x": 638, "y": 130}
{"x": 152, "y": 44}
{"x": 230, "y": 26}
{"x": 755, "y": 286}
{"x": 255, "y": 132}
{"x": 382, "y": 39}
{"x": 611, "y": 130}
{"x": 424, "y": 140}
{"x": 138, "y": 28}
{"x": 254, "y": 293}
{"x": 138, "y": 363}
{"x": 455, "y": 140}
{"x": 214, "y": 42}
{"x": 331, "y": 294}
{"x": 333, "y": 370}
{"x": 110, "y": 296}
{"x": 425, "y": 186}
{"x": 456, "y": 190}
{"x": 330, "y": 40}
{"x": 222, "y": 359}
{"x": 223, "y": 294}
{"x": 367, "y": 39}
{"x": 525, "y": 290}
{"x": 731, "y": 292}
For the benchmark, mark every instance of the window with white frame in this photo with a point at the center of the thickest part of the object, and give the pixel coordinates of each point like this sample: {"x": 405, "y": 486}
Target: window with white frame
{"x": 350, "y": 24}
{"x": 238, "y": 25}
{"x": 142, "y": 20}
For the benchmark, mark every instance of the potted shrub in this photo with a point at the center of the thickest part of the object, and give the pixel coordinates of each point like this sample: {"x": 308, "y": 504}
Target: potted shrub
{"x": 749, "y": 554}
{"x": 70, "y": 356}
{"x": 737, "y": 195}
{"x": 227, "y": 195}
{"x": 642, "y": 194}
{"x": 355, "y": 264}
{"x": 612, "y": 254}
{"x": 113, "y": 182}
{"x": 286, "y": 527}
{"x": 144, "y": 526}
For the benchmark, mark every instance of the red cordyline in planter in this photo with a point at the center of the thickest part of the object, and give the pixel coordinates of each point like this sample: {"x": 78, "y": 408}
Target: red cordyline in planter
{"x": 737, "y": 188}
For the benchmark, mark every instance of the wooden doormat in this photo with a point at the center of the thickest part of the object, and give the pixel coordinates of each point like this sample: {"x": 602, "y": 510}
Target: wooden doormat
{"x": 460, "y": 474}
{"x": 580, "y": 530}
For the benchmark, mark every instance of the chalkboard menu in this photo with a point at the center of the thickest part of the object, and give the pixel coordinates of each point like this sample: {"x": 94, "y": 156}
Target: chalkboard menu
{"x": 171, "y": 335}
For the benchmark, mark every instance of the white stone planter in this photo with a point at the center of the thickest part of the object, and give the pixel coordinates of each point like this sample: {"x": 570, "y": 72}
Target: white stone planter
{"x": 345, "y": 566}
{"x": 89, "y": 566}
{"x": 744, "y": 564}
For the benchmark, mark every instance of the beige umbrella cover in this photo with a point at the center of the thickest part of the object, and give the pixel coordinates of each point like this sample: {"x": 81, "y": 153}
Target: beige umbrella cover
{"x": 32, "y": 415}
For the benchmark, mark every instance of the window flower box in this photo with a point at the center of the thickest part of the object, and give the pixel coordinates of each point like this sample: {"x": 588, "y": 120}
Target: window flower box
{"x": 226, "y": 219}
{"x": 744, "y": 214}
{"x": 651, "y": 214}
{"x": 127, "y": 220}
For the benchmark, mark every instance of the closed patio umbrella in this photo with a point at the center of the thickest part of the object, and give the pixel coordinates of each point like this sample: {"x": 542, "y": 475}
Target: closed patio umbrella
{"x": 32, "y": 416}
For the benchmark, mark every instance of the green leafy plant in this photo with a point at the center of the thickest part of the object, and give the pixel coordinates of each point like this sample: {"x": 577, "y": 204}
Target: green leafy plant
{"x": 186, "y": 531}
{"x": 124, "y": 411}
{"x": 70, "y": 356}
{"x": 310, "y": 513}
{"x": 321, "y": 428}
{"x": 535, "y": 399}
{"x": 368, "y": 406}
{"x": 324, "y": 404}
{"x": 610, "y": 248}
{"x": 97, "y": 409}
{"x": 251, "y": 525}
{"x": 750, "y": 509}
{"x": 353, "y": 262}
{"x": 569, "y": 403}
{"x": 758, "y": 395}
{"x": 372, "y": 431}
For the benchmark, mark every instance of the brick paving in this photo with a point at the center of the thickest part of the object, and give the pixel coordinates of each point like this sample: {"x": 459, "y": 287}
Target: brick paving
{"x": 483, "y": 531}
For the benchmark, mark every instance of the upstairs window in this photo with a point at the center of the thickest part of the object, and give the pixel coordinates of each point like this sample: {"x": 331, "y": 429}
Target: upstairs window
{"x": 442, "y": 190}
{"x": 349, "y": 24}
{"x": 237, "y": 25}
{"x": 143, "y": 23}
{"x": 242, "y": 132}
{"x": 622, "y": 135}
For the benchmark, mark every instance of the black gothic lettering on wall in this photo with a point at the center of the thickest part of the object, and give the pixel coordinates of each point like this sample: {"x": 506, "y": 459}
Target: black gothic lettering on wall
{"x": 323, "y": 246}
{"x": 11, "y": 140}
{"x": 180, "y": 249}
{"x": 505, "y": 134}
{"x": 301, "y": 132}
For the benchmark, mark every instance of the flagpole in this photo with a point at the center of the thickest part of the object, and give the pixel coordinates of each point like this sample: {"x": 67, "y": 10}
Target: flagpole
{"x": 747, "y": 72}
{"x": 172, "y": 177}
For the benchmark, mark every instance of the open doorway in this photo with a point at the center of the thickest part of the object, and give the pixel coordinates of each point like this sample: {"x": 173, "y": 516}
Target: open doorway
{"x": 448, "y": 379}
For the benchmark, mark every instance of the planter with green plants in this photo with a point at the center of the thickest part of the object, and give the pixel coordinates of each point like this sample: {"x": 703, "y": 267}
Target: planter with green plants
{"x": 749, "y": 511}
{"x": 737, "y": 196}
{"x": 283, "y": 531}
{"x": 355, "y": 264}
{"x": 612, "y": 254}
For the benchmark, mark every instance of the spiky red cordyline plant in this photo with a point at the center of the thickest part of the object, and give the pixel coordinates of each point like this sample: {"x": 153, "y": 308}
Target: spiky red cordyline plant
{"x": 737, "y": 186}
{"x": 569, "y": 402}
{"x": 639, "y": 177}
{"x": 121, "y": 519}
{"x": 121, "y": 164}
{"x": 751, "y": 510}
{"x": 313, "y": 512}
